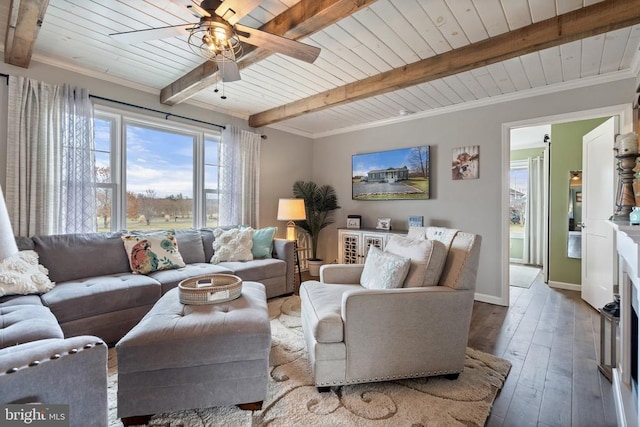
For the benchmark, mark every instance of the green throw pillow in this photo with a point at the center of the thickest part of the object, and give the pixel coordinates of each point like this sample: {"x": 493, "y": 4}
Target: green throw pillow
{"x": 263, "y": 242}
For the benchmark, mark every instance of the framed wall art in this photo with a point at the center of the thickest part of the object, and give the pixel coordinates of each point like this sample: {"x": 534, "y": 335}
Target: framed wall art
{"x": 465, "y": 163}
{"x": 391, "y": 175}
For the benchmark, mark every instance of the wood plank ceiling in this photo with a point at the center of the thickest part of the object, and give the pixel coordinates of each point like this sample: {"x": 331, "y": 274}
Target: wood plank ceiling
{"x": 434, "y": 42}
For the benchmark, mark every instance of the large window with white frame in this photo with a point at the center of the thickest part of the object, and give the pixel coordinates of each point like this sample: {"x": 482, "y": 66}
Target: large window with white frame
{"x": 154, "y": 174}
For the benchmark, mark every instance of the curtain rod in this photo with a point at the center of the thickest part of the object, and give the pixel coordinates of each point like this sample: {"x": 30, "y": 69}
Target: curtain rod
{"x": 166, "y": 115}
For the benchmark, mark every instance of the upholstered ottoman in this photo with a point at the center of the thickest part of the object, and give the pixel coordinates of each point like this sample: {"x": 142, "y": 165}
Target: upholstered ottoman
{"x": 195, "y": 356}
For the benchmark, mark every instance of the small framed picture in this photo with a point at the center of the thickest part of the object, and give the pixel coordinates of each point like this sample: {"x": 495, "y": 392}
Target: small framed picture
{"x": 384, "y": 224}
{"x": 416, "y": 221}
{"x": 353, "y": 222}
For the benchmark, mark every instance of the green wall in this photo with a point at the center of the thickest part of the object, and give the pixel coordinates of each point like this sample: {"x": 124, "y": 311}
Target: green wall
{"x": 566, "y": 155}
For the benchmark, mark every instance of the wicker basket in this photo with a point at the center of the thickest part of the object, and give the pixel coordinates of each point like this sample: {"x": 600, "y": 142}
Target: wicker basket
{"x": 209, "y": 289}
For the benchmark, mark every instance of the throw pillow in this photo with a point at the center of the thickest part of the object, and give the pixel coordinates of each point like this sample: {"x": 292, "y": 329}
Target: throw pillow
{"x": 152, "y": 252}
{"x": 427, "y": 259}
{"x": 263, "y": 242}
{"x": 232, "y": 245}
{"x": 383, "y": 270}
{"x": 21, "y": 274}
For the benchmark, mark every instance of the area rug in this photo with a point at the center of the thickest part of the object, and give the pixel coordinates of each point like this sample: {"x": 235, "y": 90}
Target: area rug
{"x": 293, "y": 400}
{"x": 522, "y": 276}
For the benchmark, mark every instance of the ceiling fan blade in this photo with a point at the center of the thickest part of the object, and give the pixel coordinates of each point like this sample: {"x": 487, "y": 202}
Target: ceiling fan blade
{"x": 228, "y": 70}
{"x": 234, "y": 10}
{"x": 139, "y": 36}
{"x": 295, "y": 49}
{"x": 198, "y": 12}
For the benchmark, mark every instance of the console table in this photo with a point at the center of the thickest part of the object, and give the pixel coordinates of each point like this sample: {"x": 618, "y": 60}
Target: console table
{"x": 353, "y": 243}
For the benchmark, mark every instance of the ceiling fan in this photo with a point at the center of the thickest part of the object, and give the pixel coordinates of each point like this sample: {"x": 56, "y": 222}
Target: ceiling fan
{"x": 218, "y": 36}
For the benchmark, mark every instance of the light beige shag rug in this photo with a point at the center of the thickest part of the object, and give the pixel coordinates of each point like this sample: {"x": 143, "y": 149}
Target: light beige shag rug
{"x": 293, "y": 400}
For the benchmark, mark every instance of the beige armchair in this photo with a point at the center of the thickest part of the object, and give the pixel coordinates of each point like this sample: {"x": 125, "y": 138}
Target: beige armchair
{"x": 359, "y": 335}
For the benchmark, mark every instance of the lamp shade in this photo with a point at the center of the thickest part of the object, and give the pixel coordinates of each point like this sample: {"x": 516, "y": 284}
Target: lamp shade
{"x": 291, "y": 210}
{"x": 7, "y": 241}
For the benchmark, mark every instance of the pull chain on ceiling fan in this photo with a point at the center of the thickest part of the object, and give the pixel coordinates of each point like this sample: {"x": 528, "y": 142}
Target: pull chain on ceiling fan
{"x": 218, "y": 36}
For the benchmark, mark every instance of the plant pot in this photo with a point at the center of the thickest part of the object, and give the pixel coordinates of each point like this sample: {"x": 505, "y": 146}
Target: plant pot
{"x": 314, "y": 267}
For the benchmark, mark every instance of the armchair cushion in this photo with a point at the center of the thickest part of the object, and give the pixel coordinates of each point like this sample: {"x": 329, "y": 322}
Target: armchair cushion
{"x": 427, "y": 259}
{"x": 384, "y": 270}
{"x": 322, "y": 309}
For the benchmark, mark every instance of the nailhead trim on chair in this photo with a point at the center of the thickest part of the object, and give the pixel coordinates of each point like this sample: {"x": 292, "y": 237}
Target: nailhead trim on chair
{"x": 54, "y": 357}
{"x": 387, "y": 378}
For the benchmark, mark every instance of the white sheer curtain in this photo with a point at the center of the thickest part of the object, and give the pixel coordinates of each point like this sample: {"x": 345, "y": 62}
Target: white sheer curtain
{"x": 47, "y": 129}
{"x": 239, "y": 176}
{"x": 534, "y": 219}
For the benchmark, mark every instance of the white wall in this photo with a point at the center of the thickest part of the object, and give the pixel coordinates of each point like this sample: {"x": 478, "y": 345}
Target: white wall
{"x": 470, "y": 205}
{"x": 284, "y": 157}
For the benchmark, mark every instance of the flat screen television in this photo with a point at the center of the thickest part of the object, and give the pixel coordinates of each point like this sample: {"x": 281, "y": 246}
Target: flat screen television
{"x": 401, "y": 174}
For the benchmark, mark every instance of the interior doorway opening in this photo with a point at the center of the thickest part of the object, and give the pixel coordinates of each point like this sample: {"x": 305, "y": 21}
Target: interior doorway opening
{"x": 624, "y": 113}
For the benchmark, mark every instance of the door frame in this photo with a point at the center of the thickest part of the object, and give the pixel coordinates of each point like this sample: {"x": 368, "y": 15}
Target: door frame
{"x": 623, "y": 111}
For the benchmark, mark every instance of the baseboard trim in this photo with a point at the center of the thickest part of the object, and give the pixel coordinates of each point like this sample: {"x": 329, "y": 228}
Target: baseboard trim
{"x": 490, "y": 299}
{"x": 562, "y": 285}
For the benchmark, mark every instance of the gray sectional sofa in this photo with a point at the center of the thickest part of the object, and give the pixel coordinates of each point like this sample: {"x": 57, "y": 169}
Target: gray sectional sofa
{"x": 97, "y": 300}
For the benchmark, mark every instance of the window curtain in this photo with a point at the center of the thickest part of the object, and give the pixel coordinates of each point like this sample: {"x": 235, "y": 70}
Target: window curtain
{"x": 239, "y": 176}
{"x": 534, "y": 222}
{"x": 43, "y": 144}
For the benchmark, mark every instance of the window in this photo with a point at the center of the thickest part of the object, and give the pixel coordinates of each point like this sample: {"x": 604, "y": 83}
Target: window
{"x": 152, "y": 174}
{"x": 518, "y": 185}
{"x": 104, "y": 130}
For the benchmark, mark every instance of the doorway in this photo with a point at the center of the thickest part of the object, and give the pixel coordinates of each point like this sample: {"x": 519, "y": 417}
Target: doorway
{"x": 528, "y": 206}
{"x": 624, "y": 112}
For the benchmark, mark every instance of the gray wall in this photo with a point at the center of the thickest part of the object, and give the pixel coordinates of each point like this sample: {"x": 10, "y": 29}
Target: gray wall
{"x": 470, "y": 205}
{"x": 284, "y": 157}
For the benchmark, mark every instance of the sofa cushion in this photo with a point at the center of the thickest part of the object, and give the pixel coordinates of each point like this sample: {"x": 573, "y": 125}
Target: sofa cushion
{"x": 152, "y": 252}
{"x": 263, "y": 242}
{"x": 427, "y": 259}
{"x": 190, "y": 244}
{"x": 322, "y": 308}
{"x": 25, "y": 322}
{"x": 20, "y": 274}
{"x": 77, "y": 256}
{"x": 384, "y": 270}
{"x": 170, "y": 278}
{"x": 232, "y": 245}
{"x": 79, "y": 299}
{"x": 258, "y": 269}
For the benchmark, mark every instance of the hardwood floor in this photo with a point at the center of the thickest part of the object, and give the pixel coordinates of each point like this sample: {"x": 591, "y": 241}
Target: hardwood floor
{"x": 551, "y": 337}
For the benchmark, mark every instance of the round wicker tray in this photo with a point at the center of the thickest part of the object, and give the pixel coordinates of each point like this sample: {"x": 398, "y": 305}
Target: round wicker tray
{"x": 209, "y": 289}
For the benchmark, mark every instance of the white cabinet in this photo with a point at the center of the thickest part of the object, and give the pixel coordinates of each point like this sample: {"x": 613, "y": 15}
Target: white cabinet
{"x": 353, "y": 244}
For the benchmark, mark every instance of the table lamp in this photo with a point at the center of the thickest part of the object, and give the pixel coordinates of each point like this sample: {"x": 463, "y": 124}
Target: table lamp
{"x": 7, "y": 241}
{"x": 291, "y": 210}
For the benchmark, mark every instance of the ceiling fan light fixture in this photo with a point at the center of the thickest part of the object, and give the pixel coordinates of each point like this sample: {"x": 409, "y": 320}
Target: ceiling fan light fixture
{"x": 215, "y": 40}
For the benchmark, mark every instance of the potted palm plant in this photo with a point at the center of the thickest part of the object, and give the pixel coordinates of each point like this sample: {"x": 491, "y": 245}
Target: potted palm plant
{"x": 320, "y": 201}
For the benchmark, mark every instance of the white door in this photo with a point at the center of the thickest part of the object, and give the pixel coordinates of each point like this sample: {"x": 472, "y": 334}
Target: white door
{"x": 598, "y": 204}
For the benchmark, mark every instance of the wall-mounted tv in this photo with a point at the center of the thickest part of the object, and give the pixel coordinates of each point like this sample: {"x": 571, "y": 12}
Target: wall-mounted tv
{"x": 401, "y": 174}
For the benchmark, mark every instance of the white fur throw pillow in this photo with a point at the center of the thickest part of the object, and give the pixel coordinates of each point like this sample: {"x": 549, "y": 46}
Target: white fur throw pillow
{"x": 232, "y": 245}
{"x": 21, "y": 274}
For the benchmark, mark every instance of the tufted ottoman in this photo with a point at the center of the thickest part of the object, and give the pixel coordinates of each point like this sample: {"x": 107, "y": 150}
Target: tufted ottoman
{"x": 195, "y": 356}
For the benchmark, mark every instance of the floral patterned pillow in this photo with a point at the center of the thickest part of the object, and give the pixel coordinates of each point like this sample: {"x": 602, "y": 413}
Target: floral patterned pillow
{"x": 21, "y": 274}
{"x": 152, "y": 252}
{"x": 384, "y": 270}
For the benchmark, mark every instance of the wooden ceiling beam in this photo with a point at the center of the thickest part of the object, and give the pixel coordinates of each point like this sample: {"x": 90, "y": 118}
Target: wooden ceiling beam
{"x": 585, "y": 22}
{"x": 25, "y": 20}
{"x": 301, "y": 20}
